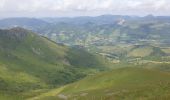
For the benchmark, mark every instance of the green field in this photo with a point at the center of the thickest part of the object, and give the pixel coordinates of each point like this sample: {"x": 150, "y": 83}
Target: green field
{"x": 119, "y": 84}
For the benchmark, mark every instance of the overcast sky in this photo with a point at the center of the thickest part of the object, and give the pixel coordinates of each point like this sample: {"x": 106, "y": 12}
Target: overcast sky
{"x": 52, "y": 8}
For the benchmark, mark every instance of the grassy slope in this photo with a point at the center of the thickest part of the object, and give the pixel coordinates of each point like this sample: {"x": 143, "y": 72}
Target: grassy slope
{"x": 30, "y": 62}
{"x": 146, "y": 51}
{"x": 119, "y": 84}
{"x": 141, "y": 52}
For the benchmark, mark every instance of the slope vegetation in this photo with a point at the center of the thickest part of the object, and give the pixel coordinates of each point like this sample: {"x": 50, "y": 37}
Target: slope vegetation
{"x": 119, "y": 84}
{"x": 30, "y": 62}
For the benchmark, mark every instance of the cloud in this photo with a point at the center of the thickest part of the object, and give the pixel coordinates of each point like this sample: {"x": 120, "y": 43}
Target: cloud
{"x": 85, "y": 6}
{"x": 2, "y": 3}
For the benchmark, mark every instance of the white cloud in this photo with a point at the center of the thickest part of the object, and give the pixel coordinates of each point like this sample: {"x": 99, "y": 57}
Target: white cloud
{"x": 85, "y": 6}
{"x": 2, "y": 3}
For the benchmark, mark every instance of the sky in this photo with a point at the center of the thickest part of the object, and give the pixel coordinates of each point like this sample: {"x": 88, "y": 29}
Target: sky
{"x": 70, "y": 8}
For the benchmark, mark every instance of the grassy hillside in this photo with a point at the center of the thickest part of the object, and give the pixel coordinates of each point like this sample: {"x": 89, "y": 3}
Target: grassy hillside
{"x": 146, "y": 51}
{"x": 141, "y": 51}
{"x": 30, "y": 62}
{"x": 119, "y": 84}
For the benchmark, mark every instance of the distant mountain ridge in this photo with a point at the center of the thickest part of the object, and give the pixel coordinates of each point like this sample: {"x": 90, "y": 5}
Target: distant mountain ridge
{"x": 103, "y": 19}
{"x": 29, "y": 23}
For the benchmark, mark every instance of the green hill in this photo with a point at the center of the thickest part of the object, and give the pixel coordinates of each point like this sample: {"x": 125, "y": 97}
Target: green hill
{"x": 146, "y": 51}
{"x": 119, "y": 84}
{"x": 30, "y": 62}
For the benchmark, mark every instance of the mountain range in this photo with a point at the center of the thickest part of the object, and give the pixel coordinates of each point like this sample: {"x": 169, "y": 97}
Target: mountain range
{"x": 85, "y": 58}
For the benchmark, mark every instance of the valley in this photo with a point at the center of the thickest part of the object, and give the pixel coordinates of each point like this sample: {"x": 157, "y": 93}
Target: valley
{"x": 101, "y": 34}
